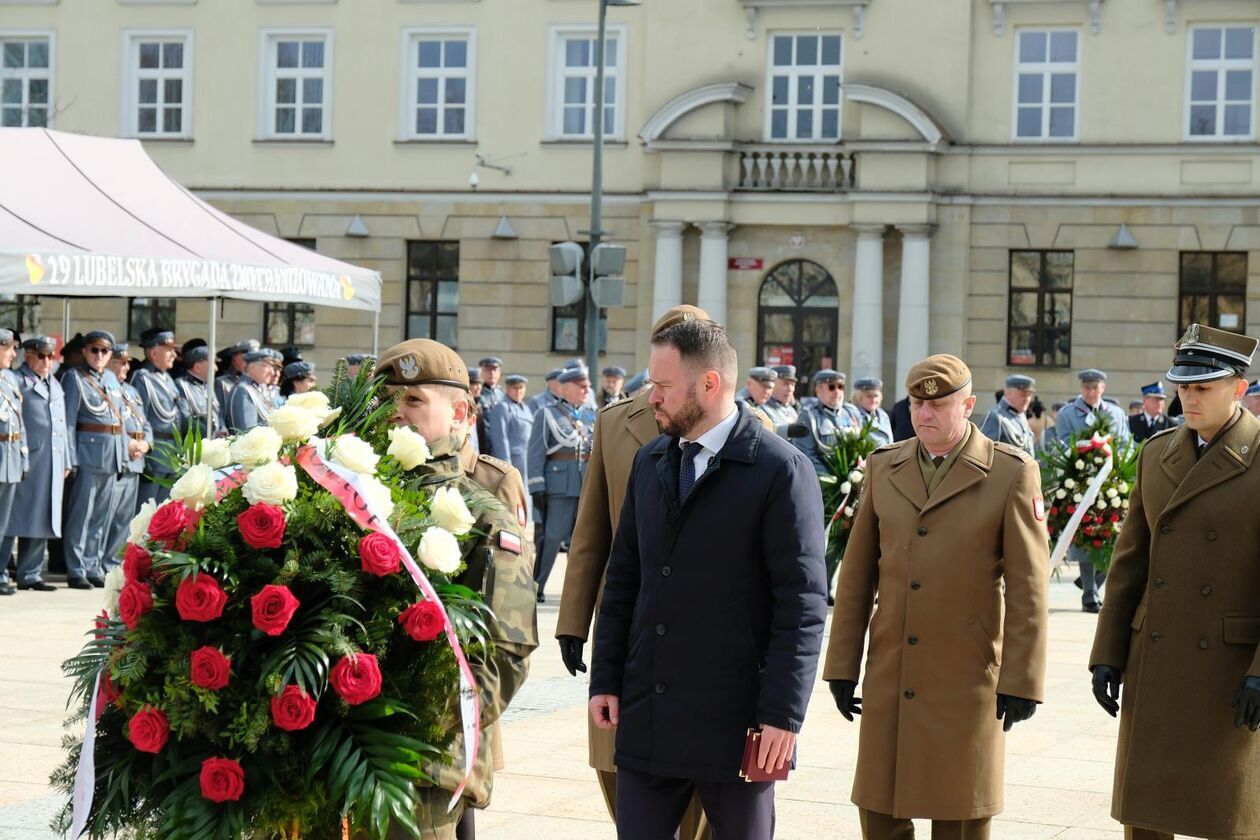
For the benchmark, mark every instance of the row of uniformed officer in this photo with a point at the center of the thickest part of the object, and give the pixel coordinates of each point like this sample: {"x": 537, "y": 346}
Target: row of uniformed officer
{"x": 14, "y": 452}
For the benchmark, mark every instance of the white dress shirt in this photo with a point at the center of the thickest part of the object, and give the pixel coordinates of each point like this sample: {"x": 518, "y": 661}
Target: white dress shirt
{"x": 712, "y": 441}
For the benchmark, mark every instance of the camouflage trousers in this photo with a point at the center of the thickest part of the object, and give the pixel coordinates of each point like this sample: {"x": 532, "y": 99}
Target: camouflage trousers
{"x": 432, "y": 818}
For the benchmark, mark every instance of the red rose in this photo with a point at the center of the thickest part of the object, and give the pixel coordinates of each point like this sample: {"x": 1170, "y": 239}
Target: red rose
{"x": 222, "y": 780}
{"x": 171, "y": 520}
{"x": 149, "y": 729}
{"x": 1115, "y": 517}
{"x": 210, "y": 668}
{"x": 292, "y": 709}
{"x": 262, "y": 526}
{"x": 422, "y": 621}
{"x": 1071, "y": 509}
{"x": 137, "y": 563}
{"x": 273, "y": 607}
{"x": 200, "y": 598}
{"x": 1054, "y": 511}
{"x": 134, "y": 601}
{"x": 357, "y": 678}
{"x": 379, "y": 554}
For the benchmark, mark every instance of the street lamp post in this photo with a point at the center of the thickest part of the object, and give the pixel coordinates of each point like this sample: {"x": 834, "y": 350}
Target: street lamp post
{"x": 596, "y": 233}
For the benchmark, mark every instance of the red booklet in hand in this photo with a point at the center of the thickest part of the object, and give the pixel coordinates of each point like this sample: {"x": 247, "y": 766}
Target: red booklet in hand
{"x": 748, "y": 769}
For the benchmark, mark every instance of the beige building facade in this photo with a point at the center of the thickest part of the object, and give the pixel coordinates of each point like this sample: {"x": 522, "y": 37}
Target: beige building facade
{"x": 1037, "y": 185}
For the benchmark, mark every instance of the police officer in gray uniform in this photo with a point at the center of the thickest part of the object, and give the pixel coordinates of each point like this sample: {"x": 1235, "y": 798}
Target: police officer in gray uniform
{"x": 491, "y": 391}
{"x": 868, "y": 393}
{"x": 98, "y": 454}
{"x": 36, "y": 514}
{"x": 232, "y": 369}
{"x": 250, "y": 404}
{"x": 1075, "y": 418}
{"x": 780, "y": 407}
{"x": 559, "y": 447}
{"x": 509, "y": 425}
{"x": 139, "y": 438}
{"x": 192, "y": 392}
{"x": 825, "y": 419}
{"x": 1007, "y": 422}
{"x": 550, "y": 395}
{"x": 164, "y": 408}
{"x": 14, "y": 460}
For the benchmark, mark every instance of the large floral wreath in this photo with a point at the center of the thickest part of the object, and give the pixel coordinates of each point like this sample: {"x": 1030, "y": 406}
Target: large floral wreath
{"x": 271, "y": 662}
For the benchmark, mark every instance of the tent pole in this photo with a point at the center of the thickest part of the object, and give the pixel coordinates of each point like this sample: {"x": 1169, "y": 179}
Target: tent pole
{"x": 376, "y": 333}
{"x": 214, "y": 322}
{"x": 65, "y": 320}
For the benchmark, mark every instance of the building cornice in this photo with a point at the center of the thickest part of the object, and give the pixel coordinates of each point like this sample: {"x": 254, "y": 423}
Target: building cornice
{"x": 753, "y": 7}
{"x": 999, "y": 12}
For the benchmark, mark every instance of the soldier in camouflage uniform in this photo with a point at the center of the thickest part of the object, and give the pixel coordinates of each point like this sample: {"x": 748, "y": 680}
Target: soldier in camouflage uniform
{"x": 435, "y": 401}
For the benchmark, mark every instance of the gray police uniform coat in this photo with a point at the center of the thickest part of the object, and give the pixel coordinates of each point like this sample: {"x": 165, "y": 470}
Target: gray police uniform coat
{"x": 824, "y": 425}
{"x": 781, "y": 415}
{"x": 881, "y": 428}
{"x": 99, "y": 456}
{"x": 559, "y": 447}
{"x": 37, "y": 509}
{"x": 193, "y": 393}
{"x": 1076, "y": 417}
{"x": 249, "y": 406}
{"x": 224, "y": 385}
{"x": 540, "y": 401}
{"x": 509, "y": 425}
{"x": 1006, "y": 425}
{"x": 164, "y": 408}
{"x": 14, "y": 460}
{"x": 136, "y": 426}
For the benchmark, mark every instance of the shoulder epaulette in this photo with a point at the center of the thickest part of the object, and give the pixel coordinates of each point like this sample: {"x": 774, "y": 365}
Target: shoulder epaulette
{"x": 498, "y": 465}
{"x": 1013, "y": 451}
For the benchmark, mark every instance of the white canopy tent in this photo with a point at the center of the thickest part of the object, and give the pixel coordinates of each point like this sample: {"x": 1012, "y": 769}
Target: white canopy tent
{"x": 88, "y": 216}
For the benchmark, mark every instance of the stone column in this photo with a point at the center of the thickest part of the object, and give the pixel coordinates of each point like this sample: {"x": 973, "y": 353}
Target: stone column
{"x": 868, "y": 303}
{"x": 913, "y": 316}
{"x": 712, "y": 294}
{"x": 667, "y": 284}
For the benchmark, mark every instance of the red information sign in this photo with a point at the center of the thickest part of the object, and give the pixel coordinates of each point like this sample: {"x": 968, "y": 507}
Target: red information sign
{"x": 744, "y": 264}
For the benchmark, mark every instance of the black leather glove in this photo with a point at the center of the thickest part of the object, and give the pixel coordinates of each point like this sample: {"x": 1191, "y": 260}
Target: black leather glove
{"x": 1107, "y": 688}
{"x": 843, "y": 691}
{"x": 540, "y": 502}
{"x": 1247, "y": 704}
{"x": 1013, "y": 710}
{"x": 571, "y": 654}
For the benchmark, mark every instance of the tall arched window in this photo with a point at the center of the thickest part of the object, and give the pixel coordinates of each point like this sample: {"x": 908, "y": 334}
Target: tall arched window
{"x": 797, "y": 317}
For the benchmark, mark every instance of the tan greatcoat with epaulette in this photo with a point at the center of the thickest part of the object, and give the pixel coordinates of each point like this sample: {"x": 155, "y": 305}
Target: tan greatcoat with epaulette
{"x": 962, "y": 580}
{"x": 1181, "y": 620}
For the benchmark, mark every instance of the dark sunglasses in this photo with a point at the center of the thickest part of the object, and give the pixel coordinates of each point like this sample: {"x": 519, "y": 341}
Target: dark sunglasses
{"x": 833, "y": 386}
{"x": 45, "y": 355}
{"x": 99, "y": 351}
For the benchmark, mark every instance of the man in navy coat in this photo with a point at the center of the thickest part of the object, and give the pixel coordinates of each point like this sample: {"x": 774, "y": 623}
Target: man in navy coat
{"x": 713, "y": 610}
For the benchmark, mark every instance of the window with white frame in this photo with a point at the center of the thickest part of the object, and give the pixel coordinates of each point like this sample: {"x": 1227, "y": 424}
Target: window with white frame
{"x": 298, "y": 85}
{"x": 573, "y": 83}
{"x": 804, "y": 87}
{"x": 1047, "y": 74}
{"x": 25, "y": 80}
{"x": 1222, "y": 82}
{"x": 159, "y": 84}
{"x": 439, "y": 84}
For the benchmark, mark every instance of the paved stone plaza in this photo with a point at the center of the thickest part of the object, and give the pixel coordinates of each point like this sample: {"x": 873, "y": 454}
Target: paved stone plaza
{"x": 1058, "y": 775}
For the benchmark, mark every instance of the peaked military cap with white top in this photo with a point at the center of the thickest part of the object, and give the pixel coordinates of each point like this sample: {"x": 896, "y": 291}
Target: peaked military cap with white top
{"x": 1205, "y": 354}
{"x": 423, "y": 361}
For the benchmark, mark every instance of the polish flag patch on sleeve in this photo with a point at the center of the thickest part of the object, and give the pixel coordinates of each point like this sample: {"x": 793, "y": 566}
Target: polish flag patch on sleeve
{"x": 1039, "y": 509}
{"x": 509, "y": 542}
{"x": 520, "y": 515}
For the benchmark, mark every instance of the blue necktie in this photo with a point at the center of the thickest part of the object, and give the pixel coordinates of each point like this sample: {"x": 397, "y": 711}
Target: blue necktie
{"x": 687, "y": 471}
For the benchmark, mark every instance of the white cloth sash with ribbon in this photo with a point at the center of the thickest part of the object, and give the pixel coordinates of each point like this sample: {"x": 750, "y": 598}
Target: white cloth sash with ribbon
{"x": 1087, "y": 498}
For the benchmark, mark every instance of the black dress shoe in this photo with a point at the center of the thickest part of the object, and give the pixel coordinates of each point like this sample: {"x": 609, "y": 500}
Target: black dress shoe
{"x": 542, "y": 599}
{"x": 7, "y": 589}
{"x": 78, "y": 583}
{"x": 1091, "y": 608}
{"x": 98, "y": 582}
{"x": 38, "y": 586}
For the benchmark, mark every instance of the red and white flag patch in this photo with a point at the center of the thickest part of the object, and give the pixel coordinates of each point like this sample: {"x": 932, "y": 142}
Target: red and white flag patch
{"x": 1039, "y": 509}
{"x": 509, "y": 542}
{"x": 520, "y": 515}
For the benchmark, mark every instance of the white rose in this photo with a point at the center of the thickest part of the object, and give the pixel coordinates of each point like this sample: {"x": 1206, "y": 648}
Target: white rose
{"x": 195, "y": 487}
{"x": 140, "y": 523}
{"x": 215, "y": 453}
{"x": 450, "y": 512}
{"x": 1060, "y": 493}
{"x": 846, "y": 488}
{"x": 354, "y": 453}
{"x": 1111, "y": 493}
{"x": 1098, "y": 460}
{"x": 294, "y": 424}
{"x": 848, "y": 512}
{"x": 1076, "y": 497}
{"x": 259, "y": 445}
{"x": 856, "y": 476}
{"x": 439, "y": 550}
{"x": 1080, "y": 465}
{"x": 1124, "y": 487}
{"x": 1125, "y": 504}
{"x": 316, "y": 402}
{"x": 272, "y": 484}
{"x": 1058, "y": 473}
{"x": 1069, "y": 483}
{"x": 1116, "y": 502}
{"x": 377, "y": 495}
{"x": 407, "y": 447}
{"x": 114, "y": 582}
{"x": 1100, "y": 504}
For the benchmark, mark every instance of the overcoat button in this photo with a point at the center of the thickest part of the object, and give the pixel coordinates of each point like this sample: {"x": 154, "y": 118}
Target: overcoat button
{"x": 660, "y": 688}
{"x": 923, "y": 532}
{"x": 1165, "y": 529}
{"x": 1155, "y": 637}
{"x": 914, "y": 640}
{"x": 909, "y": 693}
{"x": 1203, "y": 644}
{"x": 660, "y": 629}
{"x": 666, "y": 571}
{"x": 1205, "y": 591}
{"x": 915, "y": 585}
{"x": 1159, "y": 583}
{"x": 1211, "y": 535}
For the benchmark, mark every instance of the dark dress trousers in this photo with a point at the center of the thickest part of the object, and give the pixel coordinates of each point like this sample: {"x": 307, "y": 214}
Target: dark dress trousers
{"x": 713, "y": 611}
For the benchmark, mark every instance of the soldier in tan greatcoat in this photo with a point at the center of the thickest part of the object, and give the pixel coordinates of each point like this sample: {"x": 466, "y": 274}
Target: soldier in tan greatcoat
{"x": 950, "y": 536}
{"x": 1181, "y": 621}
